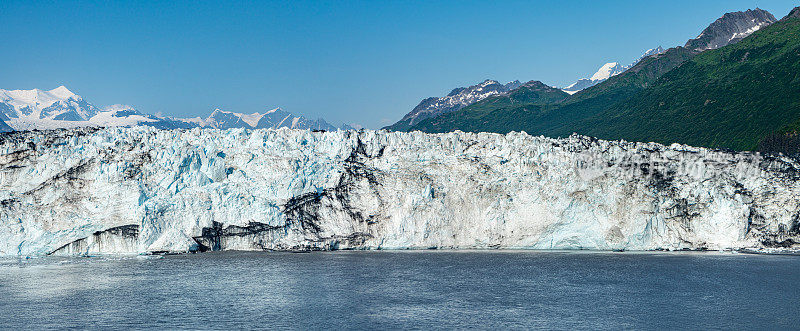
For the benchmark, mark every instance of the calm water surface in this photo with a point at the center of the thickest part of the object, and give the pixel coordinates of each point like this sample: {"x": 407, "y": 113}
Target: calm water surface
{"x": 416, "y": 290}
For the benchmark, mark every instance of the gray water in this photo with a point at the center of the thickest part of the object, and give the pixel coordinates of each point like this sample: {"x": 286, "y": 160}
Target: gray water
{"x": 416, "y": 290}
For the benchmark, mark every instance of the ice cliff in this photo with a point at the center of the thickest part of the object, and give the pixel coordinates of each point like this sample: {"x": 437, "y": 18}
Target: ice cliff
{"x": 135, "y": 190}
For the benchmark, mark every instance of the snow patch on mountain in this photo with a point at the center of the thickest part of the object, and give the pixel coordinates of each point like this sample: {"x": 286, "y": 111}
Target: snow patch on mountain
{"x": 740, "y": 35}
{"x": 455, "y": 100}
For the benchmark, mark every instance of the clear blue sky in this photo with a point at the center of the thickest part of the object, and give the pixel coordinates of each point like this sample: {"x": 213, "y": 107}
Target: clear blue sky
{"x": 357, "y": 62}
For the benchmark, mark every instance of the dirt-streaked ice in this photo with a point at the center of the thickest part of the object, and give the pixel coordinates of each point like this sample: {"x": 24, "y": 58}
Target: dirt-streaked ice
{"x": 135, "y": 190}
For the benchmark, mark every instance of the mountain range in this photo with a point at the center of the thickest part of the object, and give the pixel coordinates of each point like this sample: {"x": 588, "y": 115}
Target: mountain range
{"x": 461, "y": 97}
{"x": 60, "y": 108}
{"x": 728, "y": 29}
{"x": 734, "y": 87}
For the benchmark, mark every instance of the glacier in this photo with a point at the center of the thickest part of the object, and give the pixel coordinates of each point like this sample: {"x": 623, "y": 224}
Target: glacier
{"x": 142, "y": 190}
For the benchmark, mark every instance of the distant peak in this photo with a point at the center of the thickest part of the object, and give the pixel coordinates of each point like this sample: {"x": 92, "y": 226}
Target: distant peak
{"x": 650, "y": 52}
{"x": 489, "y": 82}
{"x": 534, "y": 83}
{"x": 653, "y": 51}
{"x": 513, "y": 85}
{"x": 607, "y": 70}
{"x": 273, "y": 110}
{"x": 61, "y": 92}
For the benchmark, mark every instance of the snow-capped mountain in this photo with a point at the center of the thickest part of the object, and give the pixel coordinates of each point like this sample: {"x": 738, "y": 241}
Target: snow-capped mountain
{"x": 121, "y": 115}
{"x": 127, "y": 116}
{"x": 607, "y": 71}
{"x": 221, "y": 119}
{"x": 137, "y": 190}
{"x": 272, "y": 119}
{"x": 21, "y": 107}
{"x": 457, "y": 98}
{"x": 60, "y": 108}
{"x": 730, "y": 28}
{"x": 279, "y": 118}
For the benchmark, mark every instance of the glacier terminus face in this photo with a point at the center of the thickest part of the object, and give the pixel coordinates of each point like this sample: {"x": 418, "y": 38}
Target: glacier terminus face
{"x": 144, "y": 190}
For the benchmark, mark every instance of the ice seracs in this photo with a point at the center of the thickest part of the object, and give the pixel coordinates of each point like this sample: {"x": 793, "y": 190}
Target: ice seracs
{"x": 137, "y": 190}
